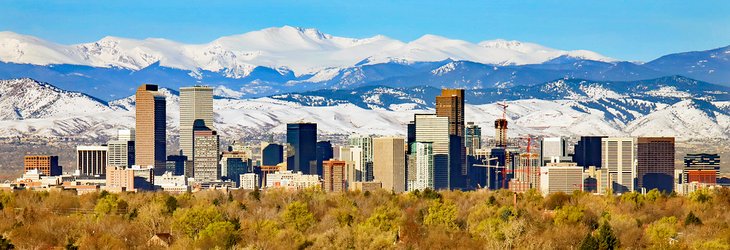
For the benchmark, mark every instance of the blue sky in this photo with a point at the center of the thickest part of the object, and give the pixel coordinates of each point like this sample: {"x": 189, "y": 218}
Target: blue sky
{"x": 630, "y": 30}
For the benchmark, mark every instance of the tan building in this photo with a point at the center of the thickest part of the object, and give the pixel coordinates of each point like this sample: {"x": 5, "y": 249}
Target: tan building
{"x": 334, "y": 175}
{"x": 195, "y": 103}
{"x": 130, "y": 179}
{"x": 561, "y": 179}
{"x": 389, "y": 163}
{"x": 45, "y": 164}
{"x": 206, "y": 146}
{"x": 451, "y": 104}
{"x": 150, "y": 144}
{"x": 365, "y": 186}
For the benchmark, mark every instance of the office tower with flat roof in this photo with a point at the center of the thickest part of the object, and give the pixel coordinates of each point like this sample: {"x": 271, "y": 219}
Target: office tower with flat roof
{"x": 176, "y": 164}
{"x": 553, "y": 149}
{"x": 451, "y": 104}
{"x": 703, "y": 168}
{"x": 121, "y": 150}
{"x": 655, "y": 163}
{"x": 233, "y": 164}
{"x": 334, "y": 176}
{"x": 301, "y": 139}
{"x": 91, "y": 160}
{"x": 206, "y": 148}
{"x": 389, "y": 163}
{"x": 435, "y": 129}
{"x": 618, "y": 161}
{"x": 272, "y": 154}
{"x": 150, "y": 130}
{"x": 561, "y": 179}
{"x": 45, "y": 164}
{"x": 324, "y": 152}
{"x": 588, "y": 151}
{"x": 365, "y": 153}
{"x": 472, "y": 138}
{"x": 423, "y": 168}
{"x": 196, "y": 103}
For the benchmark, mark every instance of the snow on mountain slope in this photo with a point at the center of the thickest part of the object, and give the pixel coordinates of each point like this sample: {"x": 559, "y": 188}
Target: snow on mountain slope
{"x": 25, "y": 98}
{"x": 304, "y": 51}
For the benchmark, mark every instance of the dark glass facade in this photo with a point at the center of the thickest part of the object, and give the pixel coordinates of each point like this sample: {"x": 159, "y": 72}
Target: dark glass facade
{"x": 272, "y": 154}
{"x": 301, "y": 139}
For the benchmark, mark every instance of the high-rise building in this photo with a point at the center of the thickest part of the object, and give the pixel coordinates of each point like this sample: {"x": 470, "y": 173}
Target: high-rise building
{"x": 150, "y": 132}
{"x": 528, "y": 169}
{"x": 703, "y": 168}
{"x": 561, "y": 179}
{"x": 472, "y": 138}
{"x": 553, "y": 149}
{"x": 176, "y": 164}
{"x": 334, "y": 176}
{"x": 500, "y": 133}
{"x": 272, "y": 154}
{"x": 655, "y": 163}
{"x": 435, "y": 129}
{"x": 423, "y": 168}
{"x": 618, "y": 161}
{"x": 363, "y": 165}
{"x": 389, "y": 163}
{"x": 196, "y": 103}
{"x": 45, "y": 164}
{"x": 206, "y": 148}
{"x": 324, "y": 152}
{"x": 121, "y": 150}
{"x": 451, "y": 104}
{"x": 588, "y": 151}
{"x": 301, "y": 139}
{"x": 91, "y": 160}
{"x": 234, "y": 164}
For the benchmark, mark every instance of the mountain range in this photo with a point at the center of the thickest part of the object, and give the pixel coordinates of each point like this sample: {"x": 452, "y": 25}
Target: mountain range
{"x": 669, "y": 106}
{"x": 289, "y": 59}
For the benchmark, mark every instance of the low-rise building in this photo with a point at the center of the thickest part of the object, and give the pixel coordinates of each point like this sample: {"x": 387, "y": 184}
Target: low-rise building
{"x": 290, "y": 180}
{"x": 249, "y": 181}
{"x": 560, "y": 179}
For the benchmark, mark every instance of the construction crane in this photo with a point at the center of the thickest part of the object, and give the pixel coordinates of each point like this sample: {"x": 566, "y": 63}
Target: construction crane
{"x": 504, "y": 109}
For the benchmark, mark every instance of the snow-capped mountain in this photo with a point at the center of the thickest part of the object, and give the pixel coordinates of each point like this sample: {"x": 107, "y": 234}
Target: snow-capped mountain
{"x": 305, "y": 51}
{"x": 670, "y": 106}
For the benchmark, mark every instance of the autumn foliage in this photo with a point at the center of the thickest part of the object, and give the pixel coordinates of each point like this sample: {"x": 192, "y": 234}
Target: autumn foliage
{"x": 311, "y": 219}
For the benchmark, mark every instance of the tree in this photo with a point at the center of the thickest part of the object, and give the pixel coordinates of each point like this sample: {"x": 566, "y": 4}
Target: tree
{"x": 5, "y": 244}
{"x": 297, "y": 215}
{"x": 588, "y": 243}
{"x": 660, "y": 232}
{"x": 606, "y": 238}
{"x": 568, "y": 215}
{"x": 191, "y": 221}
{"x": 384, "y": 218}
{"x": 653, "y": 195}
{"x": 221, "y": 234}
{"x": 702, "y": 195}
{"x": 691, "y": 219}
{"x": 442, "y": 214}
{"x": 109, "y": 204}
{"x": 556, "y": 200}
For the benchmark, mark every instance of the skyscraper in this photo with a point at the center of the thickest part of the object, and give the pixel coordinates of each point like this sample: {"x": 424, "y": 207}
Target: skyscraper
{"x": 196, "y": 103}
{"x": 121, "y": 150}
{"x": 206, "y": 148}
{"x": 150, "y": 144}
{"x": 364, "y": 165}
{"x": 389, "y": 163}
{"x": 618, "y": 161}
{"x": 434, "y": 129}
{"x": 655, "y": 168}
{"x": 500, "y": 133}
{"x": 552, "y": 148}
{"x": 472, "y": 138}
{"x": 588, "y": 151}
{"x": 423, "y": 169}
{"x": 272, "y": 154}
{"x": 301, "y": 139}
{"x": 451, "y": 104}
{"x": 324, "y": 152}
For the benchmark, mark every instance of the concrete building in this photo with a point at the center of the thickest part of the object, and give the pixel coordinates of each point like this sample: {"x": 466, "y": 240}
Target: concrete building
{"x": 45, "y": 164}
{"x": 362, "y": 155}
{"x": 528, "y": 170}
{"x": 434, "y": 129}
{"x": 700, "y": 167}
{"x": 196, "y": 103}
{"x": 365, "y": 186}
{"x": 233, "y": 164}
{"x": 132, "y": 179}
{"x": 176, "y": 165}
{"x": 292, "y": 181}
{"x": 560, "y": 179}
{"x": 472, "y": 138}
{"x": 423, "y": 167}
{"x": 450, "y": 104}
{"x": 552, "y": 148}
{"x": 151, "y": 126}
{"x": 206, "y": 148}
{"x": 249, "y": 181}
{"x": 91, "y": 160}
{"x": 301, "y": 139}
{"x": 389, "y": 163}
{"x": 334, "y": 176}
{"x": 324, "y": 152}
{"x": 618, "y": 161}
{"x": 655, "y": 163}
{"x": 500, "y": 133}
